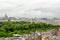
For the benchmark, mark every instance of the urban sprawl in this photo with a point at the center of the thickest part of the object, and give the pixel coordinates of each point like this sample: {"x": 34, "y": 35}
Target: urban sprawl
{"x": 53, "y": 34}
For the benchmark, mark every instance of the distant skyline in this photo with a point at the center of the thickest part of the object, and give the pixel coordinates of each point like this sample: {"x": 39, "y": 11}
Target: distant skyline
{"x": 30, "y": 8}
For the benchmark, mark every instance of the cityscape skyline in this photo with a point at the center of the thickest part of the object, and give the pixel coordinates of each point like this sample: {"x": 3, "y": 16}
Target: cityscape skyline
{"x": 4, "y": 15}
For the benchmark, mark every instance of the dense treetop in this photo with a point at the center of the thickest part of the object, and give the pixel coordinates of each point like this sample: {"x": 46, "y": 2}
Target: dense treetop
{"x": 8, "y": 28}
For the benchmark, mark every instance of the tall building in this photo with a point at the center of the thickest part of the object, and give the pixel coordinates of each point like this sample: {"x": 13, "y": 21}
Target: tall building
{"x": 6, "y": 17}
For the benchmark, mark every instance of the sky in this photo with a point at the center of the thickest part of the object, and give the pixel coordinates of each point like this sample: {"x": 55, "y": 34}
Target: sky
{"x": 30, "y": 8}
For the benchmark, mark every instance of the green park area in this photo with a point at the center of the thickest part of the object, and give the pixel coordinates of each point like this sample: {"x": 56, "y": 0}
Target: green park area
{"x": 8, "y": 28}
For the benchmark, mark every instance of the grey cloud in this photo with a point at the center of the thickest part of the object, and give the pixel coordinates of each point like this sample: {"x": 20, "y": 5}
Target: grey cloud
{"x": 30, "y": 8}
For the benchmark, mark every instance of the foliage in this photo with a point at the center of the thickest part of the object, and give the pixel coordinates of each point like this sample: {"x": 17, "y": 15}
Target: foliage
{"x": 8, "y": 28}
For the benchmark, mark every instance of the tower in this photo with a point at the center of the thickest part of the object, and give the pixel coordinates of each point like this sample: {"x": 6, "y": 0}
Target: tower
{"x": 6, "y": 17}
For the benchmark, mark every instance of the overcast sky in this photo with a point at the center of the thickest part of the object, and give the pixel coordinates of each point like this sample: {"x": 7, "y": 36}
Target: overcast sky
{"x": 30, "y": 8}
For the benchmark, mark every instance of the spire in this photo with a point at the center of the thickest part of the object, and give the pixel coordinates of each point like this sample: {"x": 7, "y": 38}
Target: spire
{"x": 6, "y": 17}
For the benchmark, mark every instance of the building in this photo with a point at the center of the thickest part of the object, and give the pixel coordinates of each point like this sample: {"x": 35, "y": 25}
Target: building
{"x": 6, "y": 17}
